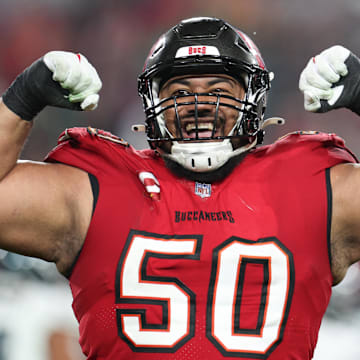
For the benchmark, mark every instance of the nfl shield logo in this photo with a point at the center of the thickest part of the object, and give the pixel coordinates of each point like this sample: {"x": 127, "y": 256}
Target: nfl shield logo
{"x": 203, "y": 190}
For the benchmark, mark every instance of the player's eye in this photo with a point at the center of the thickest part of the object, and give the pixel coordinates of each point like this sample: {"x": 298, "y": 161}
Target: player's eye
{"x": 181, "y": 92}
{"x": 219, "y": 90}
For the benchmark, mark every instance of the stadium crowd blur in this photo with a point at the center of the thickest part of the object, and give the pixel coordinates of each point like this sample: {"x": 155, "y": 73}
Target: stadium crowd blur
{"x": 116, "y": 36}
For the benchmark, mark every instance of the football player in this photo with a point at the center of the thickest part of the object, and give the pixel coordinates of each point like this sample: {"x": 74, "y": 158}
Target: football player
{"x": 206, "y": 245}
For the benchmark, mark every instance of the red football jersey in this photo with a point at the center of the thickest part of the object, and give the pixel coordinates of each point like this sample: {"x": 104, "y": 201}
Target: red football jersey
{"x": 174, "y": 269}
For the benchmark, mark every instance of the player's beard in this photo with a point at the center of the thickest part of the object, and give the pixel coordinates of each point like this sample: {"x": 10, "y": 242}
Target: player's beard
{"x": 205, "y": 177}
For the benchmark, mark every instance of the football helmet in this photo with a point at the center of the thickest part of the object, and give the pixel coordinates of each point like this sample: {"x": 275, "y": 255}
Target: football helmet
{"x": 202, "y": 46}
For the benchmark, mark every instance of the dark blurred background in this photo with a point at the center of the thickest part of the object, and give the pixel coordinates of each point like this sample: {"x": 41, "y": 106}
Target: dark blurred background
{"x": 116, "y": 37}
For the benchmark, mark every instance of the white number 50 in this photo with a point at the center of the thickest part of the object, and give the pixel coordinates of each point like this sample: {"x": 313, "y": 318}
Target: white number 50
{"x": 230, "y": 261}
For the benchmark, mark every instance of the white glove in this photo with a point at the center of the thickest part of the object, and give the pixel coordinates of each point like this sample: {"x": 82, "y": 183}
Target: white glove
{"x": 74, "y": 73}
{"x": 61, "y": 79}
{"x": 321, "y": 74}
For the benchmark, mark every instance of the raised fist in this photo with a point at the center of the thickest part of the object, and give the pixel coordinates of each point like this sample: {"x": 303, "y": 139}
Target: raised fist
{"x": 61, "y": 79}
{"x": 74, "y": 73}
{"x": 331, "y": 80}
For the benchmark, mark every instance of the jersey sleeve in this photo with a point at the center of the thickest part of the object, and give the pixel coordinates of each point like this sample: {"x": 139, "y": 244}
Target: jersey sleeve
{"x": 90, "y": 149}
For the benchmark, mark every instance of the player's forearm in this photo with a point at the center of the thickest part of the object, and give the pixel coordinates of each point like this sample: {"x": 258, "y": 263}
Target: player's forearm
{"x": 13, "y": 133}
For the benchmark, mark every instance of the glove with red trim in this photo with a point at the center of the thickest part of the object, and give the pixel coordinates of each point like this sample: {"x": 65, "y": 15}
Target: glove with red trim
{"x": 331, "y": 80}
{"x": 61, "y": 79}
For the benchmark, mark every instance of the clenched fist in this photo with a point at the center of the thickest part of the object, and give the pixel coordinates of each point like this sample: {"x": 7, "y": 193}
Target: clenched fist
{"x": 61, "y": 79}
{"x": 331, "y": 80}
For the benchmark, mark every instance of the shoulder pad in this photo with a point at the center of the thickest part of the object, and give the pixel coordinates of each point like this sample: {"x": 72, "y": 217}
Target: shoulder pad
{"x": 311, "y": 136}
{"x": 77, "y": 134}
{"x": 301, "y": 132}
{"x": 298, "y": 141}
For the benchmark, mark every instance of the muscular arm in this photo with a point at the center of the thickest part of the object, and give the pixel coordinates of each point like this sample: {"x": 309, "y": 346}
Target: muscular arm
{"x": 331, "y": 80}
{"x": 13, "y": 133}
{"x": 45, "y": 209}
{"x": 345, "y": 228}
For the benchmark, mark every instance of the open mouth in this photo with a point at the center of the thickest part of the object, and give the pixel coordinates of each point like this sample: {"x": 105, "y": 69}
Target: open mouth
{"x": 203, "y": 129}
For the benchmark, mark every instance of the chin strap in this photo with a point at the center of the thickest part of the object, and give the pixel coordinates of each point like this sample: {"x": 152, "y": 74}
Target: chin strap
{"x": 138, "y": 128}
{"x": 273, "y": 121}
{"x": 267, "y": 122}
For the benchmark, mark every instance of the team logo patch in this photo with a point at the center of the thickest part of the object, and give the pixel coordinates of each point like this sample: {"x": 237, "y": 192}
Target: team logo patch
{"x": 203, "y": 190}
{"x": 151, "y": 184}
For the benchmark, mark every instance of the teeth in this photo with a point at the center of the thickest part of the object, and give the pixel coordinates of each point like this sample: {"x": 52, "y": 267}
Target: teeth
{"x": 201, "y": 126}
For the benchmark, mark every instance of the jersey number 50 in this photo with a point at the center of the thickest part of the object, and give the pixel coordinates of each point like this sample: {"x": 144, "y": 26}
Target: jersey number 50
{"x": 137, "y": 289}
